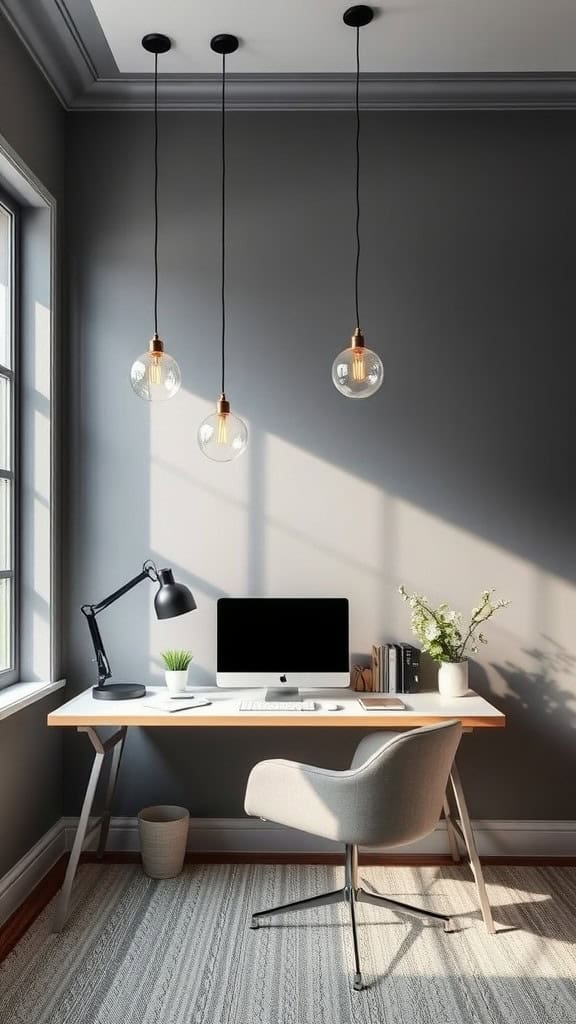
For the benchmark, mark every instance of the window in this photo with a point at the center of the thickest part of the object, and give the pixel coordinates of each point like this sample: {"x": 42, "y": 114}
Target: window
{"x": 8, "y": 469}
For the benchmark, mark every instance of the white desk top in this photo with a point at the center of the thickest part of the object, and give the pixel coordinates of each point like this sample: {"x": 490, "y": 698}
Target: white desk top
{"x": 421, "y": 709}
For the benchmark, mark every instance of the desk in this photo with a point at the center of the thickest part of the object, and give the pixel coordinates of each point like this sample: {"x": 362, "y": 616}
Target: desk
{"x": 87, "y": 715}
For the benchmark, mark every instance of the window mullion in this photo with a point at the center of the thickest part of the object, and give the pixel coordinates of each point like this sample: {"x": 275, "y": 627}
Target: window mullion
{"x": 8, "y": 477}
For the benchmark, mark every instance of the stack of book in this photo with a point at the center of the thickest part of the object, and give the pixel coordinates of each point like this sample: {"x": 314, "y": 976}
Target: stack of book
{"x": 395, "y": 668}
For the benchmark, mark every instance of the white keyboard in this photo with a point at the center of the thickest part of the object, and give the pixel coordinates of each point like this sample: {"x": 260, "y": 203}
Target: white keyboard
{"x": 277, "y": 705}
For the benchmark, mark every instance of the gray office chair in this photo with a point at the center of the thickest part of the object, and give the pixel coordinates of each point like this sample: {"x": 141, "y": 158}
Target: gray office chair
{"x": 392, "y": 794}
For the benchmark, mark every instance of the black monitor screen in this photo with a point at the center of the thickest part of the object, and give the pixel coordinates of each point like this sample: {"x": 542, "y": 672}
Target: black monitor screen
{"x": 283, "y": 634}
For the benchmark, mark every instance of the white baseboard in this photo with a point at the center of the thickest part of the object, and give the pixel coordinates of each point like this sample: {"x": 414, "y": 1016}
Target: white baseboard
{"x": 247, "y": 835}
{"x": 20, "y": 881}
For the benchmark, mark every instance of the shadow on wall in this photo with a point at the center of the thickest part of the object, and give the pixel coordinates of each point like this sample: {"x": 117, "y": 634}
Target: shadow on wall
{"x": 535, "y": 761}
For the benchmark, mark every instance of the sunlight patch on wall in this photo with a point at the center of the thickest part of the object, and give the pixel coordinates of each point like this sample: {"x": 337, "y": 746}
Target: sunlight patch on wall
{"x": 199, "y": 519}
{"x": 447, "y": 563}
{"x": 42, "y": 349}
{"x": 283, "y": 522}
{"x": 323, "y": 535}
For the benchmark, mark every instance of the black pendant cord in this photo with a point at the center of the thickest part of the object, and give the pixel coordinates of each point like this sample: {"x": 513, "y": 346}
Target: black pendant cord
{"x": 223, "y": 225}
{"x": 155, "y": 193}
{"x": 357, "y": 270}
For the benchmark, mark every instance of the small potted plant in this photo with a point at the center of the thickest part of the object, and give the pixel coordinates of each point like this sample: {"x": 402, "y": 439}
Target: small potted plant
{"x": 177, "y": 664}
{"x": 442, "y": 636}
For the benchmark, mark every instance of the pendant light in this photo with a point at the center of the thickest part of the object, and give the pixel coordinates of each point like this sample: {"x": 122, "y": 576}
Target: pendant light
{"x": 357, "y": 372}
{"x": 155, "y": 376}
{"x": 223, "y": 436}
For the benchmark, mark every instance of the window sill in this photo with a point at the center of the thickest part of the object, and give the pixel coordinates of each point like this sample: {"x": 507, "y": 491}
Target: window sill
{"x": 20, "y": 695}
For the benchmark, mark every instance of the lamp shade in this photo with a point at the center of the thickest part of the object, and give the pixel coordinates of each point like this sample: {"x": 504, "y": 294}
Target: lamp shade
{"x": 172, "y": 598}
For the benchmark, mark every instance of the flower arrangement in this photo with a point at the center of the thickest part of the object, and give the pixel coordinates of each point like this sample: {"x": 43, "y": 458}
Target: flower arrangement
{"x": 440, "y": 630}
{"x": 176, "y": 661}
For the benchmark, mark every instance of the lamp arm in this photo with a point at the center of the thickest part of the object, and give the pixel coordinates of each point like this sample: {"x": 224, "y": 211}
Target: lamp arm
{"x": 90, "y": 611}
{"x": 149, "y": 571}
{"x": 104, "y": 670}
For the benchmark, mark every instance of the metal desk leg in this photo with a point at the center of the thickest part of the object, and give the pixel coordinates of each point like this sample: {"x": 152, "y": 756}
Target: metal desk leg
{"x": 110, "y": 791}
{"x": 114, "y": 744}
{"x": 452, "y": 833}
{"x": 464, "y": 832}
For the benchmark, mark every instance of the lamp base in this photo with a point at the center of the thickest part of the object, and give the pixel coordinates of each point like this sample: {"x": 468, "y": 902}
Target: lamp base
{"x": 119, "y": 691}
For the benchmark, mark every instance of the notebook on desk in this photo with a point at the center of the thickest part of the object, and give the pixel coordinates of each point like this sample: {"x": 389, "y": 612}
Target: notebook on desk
{"x": 161, "y": 703}
{"x": 381, "y": 704}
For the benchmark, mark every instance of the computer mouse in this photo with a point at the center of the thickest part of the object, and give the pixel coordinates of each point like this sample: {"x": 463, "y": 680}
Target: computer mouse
{"x": 332, "y": 707}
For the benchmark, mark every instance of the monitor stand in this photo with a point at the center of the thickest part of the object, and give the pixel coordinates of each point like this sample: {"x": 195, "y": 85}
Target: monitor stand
{"x": 283, "y": 693}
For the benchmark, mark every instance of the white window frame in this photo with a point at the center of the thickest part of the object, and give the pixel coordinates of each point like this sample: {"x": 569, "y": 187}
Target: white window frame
{"x": 10, "y": 373}
{"x": 38, "y": 442}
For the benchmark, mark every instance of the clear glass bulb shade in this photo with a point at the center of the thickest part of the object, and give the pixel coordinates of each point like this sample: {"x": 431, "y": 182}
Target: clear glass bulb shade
{"x": 357, "y": 372}
{"x": 222, "y": 436}
{"x": 155, "y": 376}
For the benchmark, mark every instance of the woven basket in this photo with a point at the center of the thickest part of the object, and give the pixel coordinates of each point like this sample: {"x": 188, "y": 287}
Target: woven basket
{"x": 163, "y": 837}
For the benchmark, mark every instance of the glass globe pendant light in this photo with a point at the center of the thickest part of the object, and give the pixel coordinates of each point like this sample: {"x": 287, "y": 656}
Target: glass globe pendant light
{"x": 155, "y": 376}
{"x": 222, "y": 436}
{"x": 357, "y": 372}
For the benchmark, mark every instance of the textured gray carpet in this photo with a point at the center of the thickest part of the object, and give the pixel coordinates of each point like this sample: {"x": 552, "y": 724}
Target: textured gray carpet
{"x": 180, "y": 952}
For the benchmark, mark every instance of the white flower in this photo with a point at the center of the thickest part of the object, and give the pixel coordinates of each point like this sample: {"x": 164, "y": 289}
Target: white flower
{"x": 432, "y": 631}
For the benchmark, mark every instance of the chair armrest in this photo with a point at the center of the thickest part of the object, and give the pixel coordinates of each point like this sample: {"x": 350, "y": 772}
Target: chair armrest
{"x": 315, "y": 800}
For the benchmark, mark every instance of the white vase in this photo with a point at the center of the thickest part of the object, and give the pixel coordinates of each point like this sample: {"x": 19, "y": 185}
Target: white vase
{"x": 176, "y": 681}
{"x": 453, "y": 678}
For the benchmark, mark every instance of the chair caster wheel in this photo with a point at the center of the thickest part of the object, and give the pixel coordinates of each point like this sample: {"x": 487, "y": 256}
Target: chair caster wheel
{"x": 357, "y": 984}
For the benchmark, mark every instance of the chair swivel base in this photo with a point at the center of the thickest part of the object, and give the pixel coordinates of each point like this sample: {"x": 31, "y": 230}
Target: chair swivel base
{"x": 352, "y": 895}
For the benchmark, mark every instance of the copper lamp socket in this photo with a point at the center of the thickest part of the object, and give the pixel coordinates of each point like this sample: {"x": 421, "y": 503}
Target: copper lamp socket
{"x": 156, "y": 345}
{"x": 222, "y": 405}
{"x": 357, "y": 339}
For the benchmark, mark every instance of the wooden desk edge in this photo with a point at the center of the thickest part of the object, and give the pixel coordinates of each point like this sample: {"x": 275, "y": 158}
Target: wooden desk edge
{"x": 295, "y": 719}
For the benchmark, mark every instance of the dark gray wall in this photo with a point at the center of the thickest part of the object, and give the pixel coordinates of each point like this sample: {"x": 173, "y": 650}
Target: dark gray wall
{"x": 30, "y": 779}
{"x": 33, "y": 123}
{"x": 456, "y": 477}
{"x": 31, "y": 118}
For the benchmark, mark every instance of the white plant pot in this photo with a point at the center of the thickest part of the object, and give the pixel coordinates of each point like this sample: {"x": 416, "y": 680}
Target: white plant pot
{"x": 453, "y": 678}
{"x": 176, "y": 681}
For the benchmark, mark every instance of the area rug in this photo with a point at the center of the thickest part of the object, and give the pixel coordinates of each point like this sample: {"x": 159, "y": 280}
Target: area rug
{"x": 137, "y": 951}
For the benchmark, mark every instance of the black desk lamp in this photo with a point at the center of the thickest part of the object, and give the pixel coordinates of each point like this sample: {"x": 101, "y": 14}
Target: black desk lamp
{"x": 171, "y": 599}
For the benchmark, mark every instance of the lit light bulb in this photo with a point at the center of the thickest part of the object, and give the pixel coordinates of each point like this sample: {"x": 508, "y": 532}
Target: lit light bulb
{"x": 222, "y": 436}
{"x": 155, "y": 376}
{"x": 357, "y": 372}
{"x": 358, "y": 364}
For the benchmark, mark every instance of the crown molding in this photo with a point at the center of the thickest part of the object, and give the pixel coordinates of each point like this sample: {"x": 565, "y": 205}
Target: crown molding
{"x": 66, "y": 41}
{"x": 335, "y": 92}
{"x": 50, "y": 34}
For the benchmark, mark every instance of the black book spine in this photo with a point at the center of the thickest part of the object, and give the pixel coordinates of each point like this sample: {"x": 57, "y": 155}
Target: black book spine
{"x": 412, "y": 676}
{"x": 404, "y": 678}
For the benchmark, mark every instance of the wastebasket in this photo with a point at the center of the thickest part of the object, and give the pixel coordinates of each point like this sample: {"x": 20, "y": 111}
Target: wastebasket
{"x": 163, "y": 836}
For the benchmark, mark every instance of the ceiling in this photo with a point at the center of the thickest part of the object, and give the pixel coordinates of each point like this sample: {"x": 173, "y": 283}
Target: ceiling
{"x": 291, "y": 36}
{"x": 298, "y": 54}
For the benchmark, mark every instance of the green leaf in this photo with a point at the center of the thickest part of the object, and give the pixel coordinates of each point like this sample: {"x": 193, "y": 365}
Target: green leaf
{"x": 176, "y": 661}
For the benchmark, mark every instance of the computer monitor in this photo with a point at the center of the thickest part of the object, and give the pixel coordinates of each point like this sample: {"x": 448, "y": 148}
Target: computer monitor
{"x": 284, "y": 644}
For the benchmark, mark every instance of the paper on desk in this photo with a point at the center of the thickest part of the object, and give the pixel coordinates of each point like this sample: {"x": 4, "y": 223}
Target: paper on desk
{"x": 161, "y": 703}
